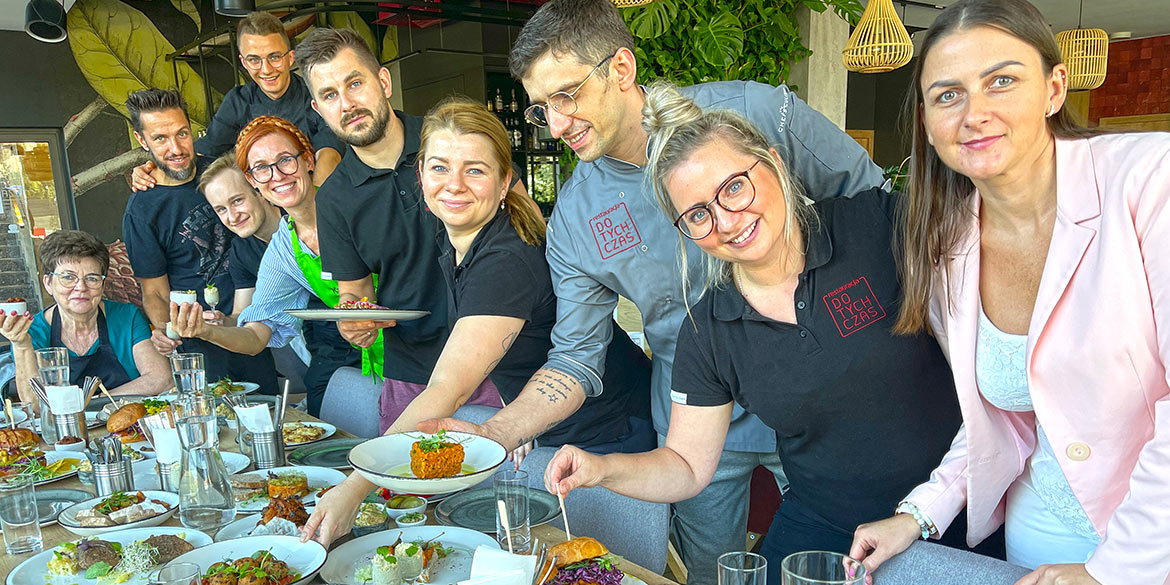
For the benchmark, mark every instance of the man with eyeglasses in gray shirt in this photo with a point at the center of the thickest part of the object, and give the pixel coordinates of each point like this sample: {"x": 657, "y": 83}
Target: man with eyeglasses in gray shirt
{"x": 607, "y": 237}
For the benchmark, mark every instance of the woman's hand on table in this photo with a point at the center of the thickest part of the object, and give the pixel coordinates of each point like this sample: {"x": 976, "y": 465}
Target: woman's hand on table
{"x": 333, "y": 517}
{"x": 573, "y": 468}
{"x": 877, "y": 542}
{"x": 362, "y": 333}
{"x": 14, "y": 328}
{"x": 1059, "y": 575}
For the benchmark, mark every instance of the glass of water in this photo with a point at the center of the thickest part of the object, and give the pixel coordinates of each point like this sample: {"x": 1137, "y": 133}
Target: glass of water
{"x": 190, "y": 376}
{"x": 53, "y": 366}
{"x": 18, "y": 515}
{"x": 511, "y": 487}
{"x": 820, "y": 567}
{"x": 177, "y": 574}
{"x": 742, "y": 568}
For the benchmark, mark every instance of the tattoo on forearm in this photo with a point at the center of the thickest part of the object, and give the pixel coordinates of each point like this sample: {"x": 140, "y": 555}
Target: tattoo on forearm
{"x": 552, "y": 388}
{"x": 506, "y": 344}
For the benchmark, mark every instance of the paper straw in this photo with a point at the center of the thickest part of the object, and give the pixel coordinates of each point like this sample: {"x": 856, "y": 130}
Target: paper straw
{"x": 564, "y": 516}
{"x": 107, "y": 394}
{"x": 504, "y": 520}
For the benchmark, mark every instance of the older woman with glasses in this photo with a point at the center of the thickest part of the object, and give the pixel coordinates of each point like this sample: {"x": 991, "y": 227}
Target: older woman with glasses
{"x": 794, "y": 325}
{"x": 107, "y": 339}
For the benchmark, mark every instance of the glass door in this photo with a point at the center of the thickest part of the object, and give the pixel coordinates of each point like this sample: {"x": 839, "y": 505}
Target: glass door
{"x": 36, "y": 199}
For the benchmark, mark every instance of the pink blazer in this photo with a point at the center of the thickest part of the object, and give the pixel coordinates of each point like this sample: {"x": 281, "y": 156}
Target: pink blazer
{"x": 1097, "y": 355}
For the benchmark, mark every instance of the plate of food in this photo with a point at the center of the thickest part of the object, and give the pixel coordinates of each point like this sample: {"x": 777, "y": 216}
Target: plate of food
{"x": 257, "y": 560}
{"x": 282, "y": 516}
{"x": 118, "y": 511}
{"x": 253, "y": 491}
{"x": 303, "y": 433}
{"x": 152, "y": 404}
{"x": 417, "y": 463}
{"x": 440, "y": 554}
{"x": 476, "y": 509}
{"x": 126, "y": 557}
{"x": 362, "y": 310}
{"x": 585, "y": 560}
{"x": 21, "y": 459}
{"x": 330, "y": 453}
{"x": 227, "y": 386}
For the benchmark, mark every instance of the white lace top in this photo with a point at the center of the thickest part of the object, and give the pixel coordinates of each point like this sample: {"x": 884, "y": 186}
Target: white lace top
{"x": 1001, "y": 375}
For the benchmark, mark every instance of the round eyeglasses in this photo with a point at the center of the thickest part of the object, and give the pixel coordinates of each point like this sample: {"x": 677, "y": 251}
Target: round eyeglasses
{"x": 562, "y": 102}
{"x": 70, "y": 280}
{"x": 287, "y": 165}
{"x": 256, "y": 61}
{"x": 736, "y": 193}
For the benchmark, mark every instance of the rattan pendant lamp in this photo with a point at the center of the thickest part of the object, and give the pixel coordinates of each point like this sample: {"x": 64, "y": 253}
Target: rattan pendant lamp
{"x": 1086, "y": 53}
{"x": 880, "y": 42}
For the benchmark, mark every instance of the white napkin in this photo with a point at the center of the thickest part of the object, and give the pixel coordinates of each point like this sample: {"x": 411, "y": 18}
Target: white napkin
{"x": 167, "y": 448}
{"x": 64, "y": 399}
{"x": 500, "y": 567}
{"x": 255, "y": 418}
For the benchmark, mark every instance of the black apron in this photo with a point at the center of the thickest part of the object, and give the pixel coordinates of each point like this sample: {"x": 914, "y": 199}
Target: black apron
{"x": 102, "y": 363}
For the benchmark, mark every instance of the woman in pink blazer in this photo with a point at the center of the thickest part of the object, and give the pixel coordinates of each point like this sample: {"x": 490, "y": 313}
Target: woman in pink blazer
{"x": 1038, "y": 252}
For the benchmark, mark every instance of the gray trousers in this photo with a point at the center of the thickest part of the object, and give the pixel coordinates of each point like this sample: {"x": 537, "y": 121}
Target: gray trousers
{"x": 715, "y": 521}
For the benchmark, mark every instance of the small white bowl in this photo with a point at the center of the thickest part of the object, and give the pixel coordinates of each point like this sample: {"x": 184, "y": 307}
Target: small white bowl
{"x": 78, "y": 447}
{"x": 419, "y": 522}
{"x": 395, "y": 513}
{"x": 8, "y": 308}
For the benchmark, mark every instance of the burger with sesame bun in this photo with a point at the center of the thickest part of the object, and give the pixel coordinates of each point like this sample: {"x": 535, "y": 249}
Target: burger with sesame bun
{"x": 583, "y": 561}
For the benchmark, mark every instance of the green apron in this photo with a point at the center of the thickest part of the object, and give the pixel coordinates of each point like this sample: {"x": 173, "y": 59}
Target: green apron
{"x": 326, "y": 290}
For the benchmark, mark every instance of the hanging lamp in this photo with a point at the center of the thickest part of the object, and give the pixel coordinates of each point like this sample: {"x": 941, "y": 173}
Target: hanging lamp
{"x": 880, "y": 42}
{"x": 1086, "y": 53}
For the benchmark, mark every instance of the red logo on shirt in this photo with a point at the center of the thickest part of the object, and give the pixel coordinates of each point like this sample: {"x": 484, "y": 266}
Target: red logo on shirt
{"x": 614, "y": 231}
{"x": 854, "y": 306}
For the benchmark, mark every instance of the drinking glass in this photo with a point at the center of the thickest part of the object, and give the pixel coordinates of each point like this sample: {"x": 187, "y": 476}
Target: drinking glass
{"x": 205, "y": 495}
{"x": 190, "y": 376}
{"x": 18, "y": 515}
{"x": 53, "y": 366}
{"x": 820, "y": 567}
{"x": 511, "y": 487}
{"x": 26, "y": 421}
{"x": 742, "y": 568}
{"x": 177, "y": 574}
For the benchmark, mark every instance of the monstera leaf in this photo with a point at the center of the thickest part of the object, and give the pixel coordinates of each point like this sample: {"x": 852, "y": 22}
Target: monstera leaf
{"x": 189, "y": 8}
{"x": 719, "y": 41}
{"x": 654, "y": 19}
{"x": 119, "y": 51}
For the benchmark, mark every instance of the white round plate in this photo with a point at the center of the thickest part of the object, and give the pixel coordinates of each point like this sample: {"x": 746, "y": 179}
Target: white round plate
{"x": 249, "y": 387}
{"x": 305, "y": 558}
{"x": 329, "y": 430}
{"x": 19, "y": 415}
{"x": 351, "y": 556}
{"x": 68, "y": 516}
{"x": 385, "y": 461}
{"x": 319, "y": 477}
{"x": 146, "y": 474}
{"x": 54, "y": 456}
{"x": 242, "y": 526}
{"x": 356, "y": 314}
{"x": 35, "y": 570}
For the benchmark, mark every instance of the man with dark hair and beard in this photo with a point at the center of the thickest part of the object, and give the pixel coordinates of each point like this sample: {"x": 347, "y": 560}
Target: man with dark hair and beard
{"x": 371, "y": 219}
{"x": 174, "y": 239}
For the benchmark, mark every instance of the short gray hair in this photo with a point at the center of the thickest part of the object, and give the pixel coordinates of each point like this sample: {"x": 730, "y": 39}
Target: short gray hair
{"x": 590, "y": 30}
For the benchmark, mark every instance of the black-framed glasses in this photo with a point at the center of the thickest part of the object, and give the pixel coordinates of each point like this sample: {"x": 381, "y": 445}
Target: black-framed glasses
{"x": 735, "y": 193}
{"x": 69, "y": 279}
{"x": 287, "y": 165}
{"x": 256, "y": 61}
{"x": 562, "y": 102}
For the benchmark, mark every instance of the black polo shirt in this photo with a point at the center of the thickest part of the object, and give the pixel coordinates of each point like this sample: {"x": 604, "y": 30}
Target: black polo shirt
{"x": 373, "y": 221}
{"x": 861, "y": 415}
{"x": 246, "y": 102}
{"x": 502, "y": 275}
{"x": 244, "y": 258}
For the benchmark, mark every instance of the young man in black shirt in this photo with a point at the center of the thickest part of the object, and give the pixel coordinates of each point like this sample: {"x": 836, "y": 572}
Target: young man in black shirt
{"x": 173, "y": 238}
{"x": 267, "y": 55}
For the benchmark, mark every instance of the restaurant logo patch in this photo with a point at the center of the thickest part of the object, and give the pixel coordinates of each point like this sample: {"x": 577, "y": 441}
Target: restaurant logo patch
{"x": 614, "y": 231}
{"x": 854, "y": 306}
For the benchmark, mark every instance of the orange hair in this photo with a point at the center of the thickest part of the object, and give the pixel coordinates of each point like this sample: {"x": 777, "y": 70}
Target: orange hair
{"x": 263, "y": 126}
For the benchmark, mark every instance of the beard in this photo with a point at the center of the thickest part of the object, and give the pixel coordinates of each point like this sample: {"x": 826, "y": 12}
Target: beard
{"x": 176, "y": 174}
{"x": 374, "y": 131}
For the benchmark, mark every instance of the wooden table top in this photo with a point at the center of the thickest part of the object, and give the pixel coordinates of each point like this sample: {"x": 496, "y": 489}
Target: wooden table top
{"x": 55, "y": 533}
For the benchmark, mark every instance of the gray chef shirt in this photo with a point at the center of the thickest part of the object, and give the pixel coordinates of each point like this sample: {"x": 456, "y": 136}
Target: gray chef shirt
{"x": 608, "y": 237}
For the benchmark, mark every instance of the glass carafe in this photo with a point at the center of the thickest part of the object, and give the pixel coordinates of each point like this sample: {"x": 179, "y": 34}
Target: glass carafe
{"x": 205, "y": 495}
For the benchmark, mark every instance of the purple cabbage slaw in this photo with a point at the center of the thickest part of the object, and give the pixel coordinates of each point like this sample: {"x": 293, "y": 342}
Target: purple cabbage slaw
{"x": 598, "y": 570}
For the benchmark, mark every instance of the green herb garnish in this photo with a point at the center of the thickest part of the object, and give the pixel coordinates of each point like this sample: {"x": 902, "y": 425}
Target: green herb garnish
{"x": 98, "y": 569}
{"x": 436, "y": 441}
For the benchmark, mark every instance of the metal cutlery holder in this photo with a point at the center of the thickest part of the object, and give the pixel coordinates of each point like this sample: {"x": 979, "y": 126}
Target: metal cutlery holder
{"x": 267, "y": 449}
{"x": 71, "y": 425}
{"x": 113, "y": 477}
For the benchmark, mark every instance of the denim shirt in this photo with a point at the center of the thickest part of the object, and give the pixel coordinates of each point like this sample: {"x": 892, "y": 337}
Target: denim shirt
{"x": 608, "y": 237}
